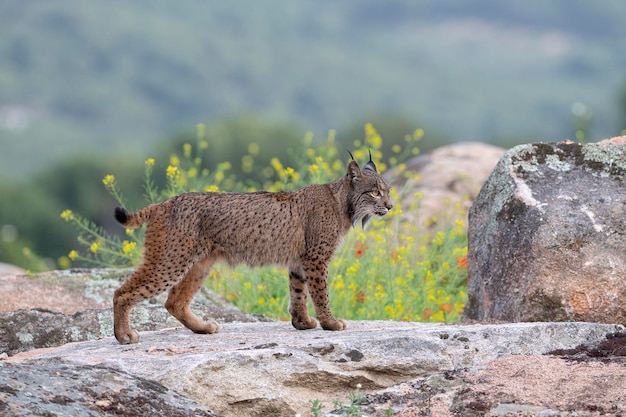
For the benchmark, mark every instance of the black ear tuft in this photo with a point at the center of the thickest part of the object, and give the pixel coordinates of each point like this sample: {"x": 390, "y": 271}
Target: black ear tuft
{"x": 370, "y": 166}
{"x": 351, "y": 156}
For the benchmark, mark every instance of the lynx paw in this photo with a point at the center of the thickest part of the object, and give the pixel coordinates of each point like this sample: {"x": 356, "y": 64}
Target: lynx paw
{"x": 209, "y": 327}
{"x": 305, "y": 324}
{"x": 339, "y": 324}
{"x": 126, "y": 337}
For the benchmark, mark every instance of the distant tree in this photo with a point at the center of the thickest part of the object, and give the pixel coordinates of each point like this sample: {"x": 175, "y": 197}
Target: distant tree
{"x": 31, "y": 216}
{"x": 237, "y": 140}
{"x": 393, "y": 129}
{"x": 31, "y": 211}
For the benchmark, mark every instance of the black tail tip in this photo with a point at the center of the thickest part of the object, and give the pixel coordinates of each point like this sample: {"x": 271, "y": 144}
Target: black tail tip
{"x": 121, "y": 215}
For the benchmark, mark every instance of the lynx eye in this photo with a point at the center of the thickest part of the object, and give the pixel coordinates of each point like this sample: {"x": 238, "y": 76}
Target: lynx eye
{"x": 375, "y": 193}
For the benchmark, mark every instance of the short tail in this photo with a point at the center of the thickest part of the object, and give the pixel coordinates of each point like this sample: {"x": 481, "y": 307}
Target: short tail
{"x": 133, "y": 220}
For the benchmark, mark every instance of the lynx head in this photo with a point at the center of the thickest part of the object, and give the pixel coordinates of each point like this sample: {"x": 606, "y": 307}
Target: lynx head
{"x": 368, "y": 194}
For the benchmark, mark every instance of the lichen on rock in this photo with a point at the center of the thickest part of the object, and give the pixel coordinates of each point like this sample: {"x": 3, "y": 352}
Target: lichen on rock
{"x": 547, "y": 230}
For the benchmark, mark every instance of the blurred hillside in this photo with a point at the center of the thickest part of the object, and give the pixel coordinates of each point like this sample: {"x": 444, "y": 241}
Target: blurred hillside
{"x": 95, "y": 88}
{"x": 116, "y": 76}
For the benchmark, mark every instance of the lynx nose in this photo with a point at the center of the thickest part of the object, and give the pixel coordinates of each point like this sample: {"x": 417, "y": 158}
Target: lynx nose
{"x": 389, "y": 206}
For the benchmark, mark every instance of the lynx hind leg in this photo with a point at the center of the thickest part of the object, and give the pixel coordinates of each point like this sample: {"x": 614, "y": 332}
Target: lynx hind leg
{"x": 317, "y": 280}
{"x": 298, "y": 297}
{"x": 180, "y": 297}
{"x": 144, "y": 283}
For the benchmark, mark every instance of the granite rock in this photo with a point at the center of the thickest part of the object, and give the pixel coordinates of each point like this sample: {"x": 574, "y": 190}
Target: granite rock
{"x": 547, "y": 236}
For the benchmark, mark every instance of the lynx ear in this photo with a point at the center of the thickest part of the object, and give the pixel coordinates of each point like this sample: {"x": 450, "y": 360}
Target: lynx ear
{"x": 370, "y": 166}
{"x": 353, "y": 170}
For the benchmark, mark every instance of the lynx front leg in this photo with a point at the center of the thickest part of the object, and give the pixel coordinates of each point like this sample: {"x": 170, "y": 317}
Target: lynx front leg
{"x": 317, "y": 279}
{"x": 180, "y": 297}
{"x": 298, "y": 302}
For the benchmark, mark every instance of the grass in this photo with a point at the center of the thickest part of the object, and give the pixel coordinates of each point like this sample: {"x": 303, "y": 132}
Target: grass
{"x": 394, "y": 270}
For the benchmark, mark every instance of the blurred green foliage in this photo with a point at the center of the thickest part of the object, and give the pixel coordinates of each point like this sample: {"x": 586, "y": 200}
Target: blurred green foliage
{"x": 95, "y": 87}
{"x": 31, "y": 207}
{"x": 104, "y": 76}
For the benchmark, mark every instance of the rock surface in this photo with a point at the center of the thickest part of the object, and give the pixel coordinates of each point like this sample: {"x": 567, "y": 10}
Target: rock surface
{"x": 56, "y": 388}
{"x": 252, "y": 369}
{"x": 547, "y": 236}
{"x": 58, "y": 307}
{"x": 8, "y": 269}
{"x": 450, "y": 178}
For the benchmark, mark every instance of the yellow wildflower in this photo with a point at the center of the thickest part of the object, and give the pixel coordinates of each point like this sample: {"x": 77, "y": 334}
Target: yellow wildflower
{"x": 64, "y": 262}
{"x": 338, "y": 282}
{"x": 187, "y": 150}
{"x": 128, "y": 247}
{"x": 373, "y": 138}
{"x": 253, "y": 148}
{"x": 332, "y": 134}
{"x": 108, "y": 179}
{"x": 200, "y": 128}
{"x": 94, "y": 246}
{"x": 290, "y": 172}
{"x": 171, "y": 171}
{"x": 353, "y": 269}
{"x": 439, "y": 237}
{"x": 67, "y": 215}
{"x": 149, "y": 162}
{"x": 276, "y": 165}
{"x": 72, "y": 255}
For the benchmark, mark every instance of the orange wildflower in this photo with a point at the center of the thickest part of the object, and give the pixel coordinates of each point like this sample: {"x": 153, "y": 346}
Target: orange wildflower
{"x": 446, "y": 308}
{"x": 359, "y": 249}
{"x": 427, "y": 313}
{"x": 394, "y": 257}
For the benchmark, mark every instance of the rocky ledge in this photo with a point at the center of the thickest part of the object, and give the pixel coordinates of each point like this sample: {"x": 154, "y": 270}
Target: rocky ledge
{"x": 252, "y": 369}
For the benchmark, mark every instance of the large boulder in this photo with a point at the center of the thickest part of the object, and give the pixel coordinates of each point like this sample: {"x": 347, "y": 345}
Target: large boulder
{"x": 8, "y": 269}
{"x": 449, "y": 179}
{"x": 547, "y": 236}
